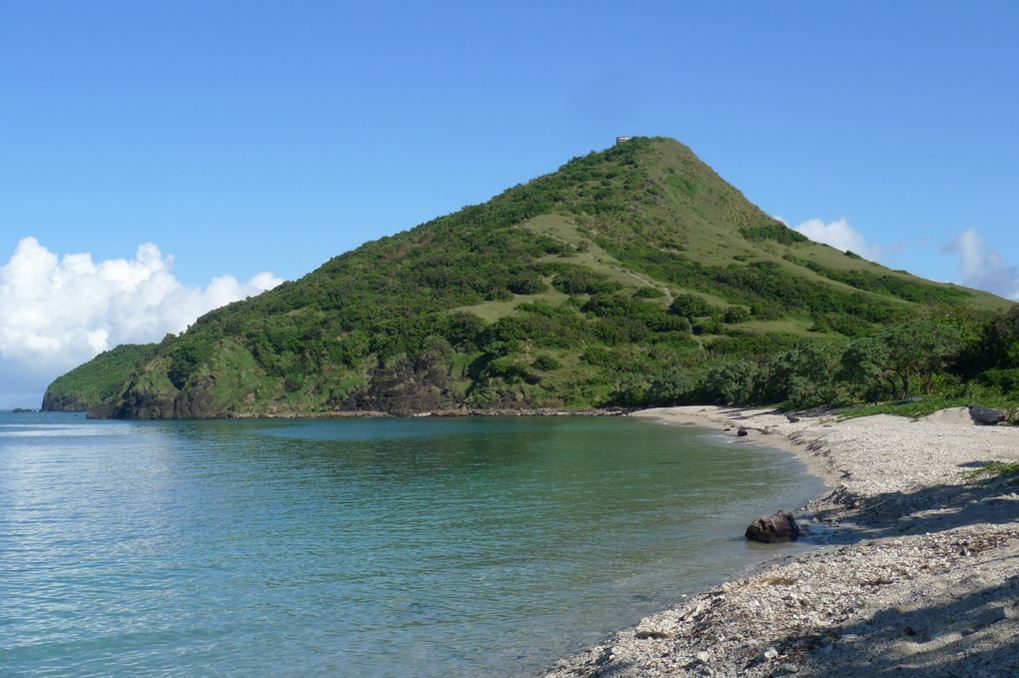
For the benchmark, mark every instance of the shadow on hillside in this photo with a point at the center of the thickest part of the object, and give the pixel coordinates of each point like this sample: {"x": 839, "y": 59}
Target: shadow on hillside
{"x": 932, "y": 640}
{"x": 932, "y": 509}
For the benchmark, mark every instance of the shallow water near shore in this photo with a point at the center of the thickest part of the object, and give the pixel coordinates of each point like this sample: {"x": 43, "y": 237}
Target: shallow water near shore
{"x": 425, "y": 547}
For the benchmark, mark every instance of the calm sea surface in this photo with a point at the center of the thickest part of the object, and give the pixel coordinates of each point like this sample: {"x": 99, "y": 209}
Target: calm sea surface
{"x": 394, "y": 547}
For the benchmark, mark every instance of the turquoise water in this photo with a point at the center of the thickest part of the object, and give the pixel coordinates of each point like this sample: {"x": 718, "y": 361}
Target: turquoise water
{"x": 402, "y": 547}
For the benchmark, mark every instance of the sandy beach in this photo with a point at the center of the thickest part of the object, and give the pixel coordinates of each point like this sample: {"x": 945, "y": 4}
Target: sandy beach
{"x": 916, "y": 571}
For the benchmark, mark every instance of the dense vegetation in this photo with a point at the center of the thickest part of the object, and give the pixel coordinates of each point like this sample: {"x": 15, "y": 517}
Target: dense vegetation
{"x": 628, "y": 277}
{"x": 97, "y": 381}
{"x": 954, "y": 358}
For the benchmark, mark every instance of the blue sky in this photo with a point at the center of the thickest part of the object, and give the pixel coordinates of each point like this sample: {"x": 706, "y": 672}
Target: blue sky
{"x": 244, "y": 138}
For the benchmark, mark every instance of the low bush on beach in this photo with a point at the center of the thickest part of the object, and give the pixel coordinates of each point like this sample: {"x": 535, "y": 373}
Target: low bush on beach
{"x": 997, "y": 469}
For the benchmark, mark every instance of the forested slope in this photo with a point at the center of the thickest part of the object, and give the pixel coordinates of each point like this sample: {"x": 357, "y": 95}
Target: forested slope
{"x": 630, "y": 276}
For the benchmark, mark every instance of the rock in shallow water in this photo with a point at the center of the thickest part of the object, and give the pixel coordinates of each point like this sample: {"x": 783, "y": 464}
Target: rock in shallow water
{"x": 778, "y": 527}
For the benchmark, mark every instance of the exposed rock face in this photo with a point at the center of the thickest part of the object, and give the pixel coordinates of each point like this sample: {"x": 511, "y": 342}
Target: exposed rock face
{"x": 985, "y": 415}
{"x": 193, "y": 402}
{"x": 778, "y": 527}
{"x": 197, "y": 402}
{"x": 408, "y": 387}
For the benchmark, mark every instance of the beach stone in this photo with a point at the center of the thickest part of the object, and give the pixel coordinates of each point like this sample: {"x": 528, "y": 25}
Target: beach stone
{"x": 778, "y": 527}
{"x": 792, "y": 419}
{"x": 985, "y": 415}
{"x": 742, "y": 432}
{"x": 771, "y": 653}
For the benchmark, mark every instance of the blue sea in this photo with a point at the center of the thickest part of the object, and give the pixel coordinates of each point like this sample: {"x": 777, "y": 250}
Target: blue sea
{"x": 366, "y": 547}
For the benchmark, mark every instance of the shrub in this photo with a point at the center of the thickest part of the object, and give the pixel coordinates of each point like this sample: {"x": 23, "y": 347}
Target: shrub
{"x": 706, "y": 326}
{"x": 545, "y": 363}
{"x": 575, "y": 280}
{"x": 766, "y": 311}
{"x": 527, "y": 284}
{"x": 736, "y": 314}
{"x": 648, "y": 293}
{"x": 774, "y": 231}
{"x": 690, "y": 306}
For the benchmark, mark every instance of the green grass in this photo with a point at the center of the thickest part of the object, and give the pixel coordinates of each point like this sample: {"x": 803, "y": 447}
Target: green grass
{"x": 797, "y": 326}
{"x": 101, "y": 379}
{"x": 996, "y": 469}
{"x": 493, "y": 310}
{"x": 929, "y": 405}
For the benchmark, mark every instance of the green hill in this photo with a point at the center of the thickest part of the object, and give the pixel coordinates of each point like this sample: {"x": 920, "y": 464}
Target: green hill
{"x": 622, "y": 278}
{"x": 99, "y": 381}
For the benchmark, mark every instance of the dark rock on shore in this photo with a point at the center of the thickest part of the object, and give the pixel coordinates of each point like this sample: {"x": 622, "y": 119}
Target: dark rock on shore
{"x": 778, "y": 527}
{"x": 742, "y": 432}
{"x": 985, "y": 415}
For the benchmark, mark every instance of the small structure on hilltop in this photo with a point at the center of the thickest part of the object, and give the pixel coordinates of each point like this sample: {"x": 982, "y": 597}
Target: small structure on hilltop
{"x": 620, "y": 140}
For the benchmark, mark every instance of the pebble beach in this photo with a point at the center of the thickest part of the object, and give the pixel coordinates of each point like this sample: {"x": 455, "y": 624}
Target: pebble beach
{"x": 915, "y": 570}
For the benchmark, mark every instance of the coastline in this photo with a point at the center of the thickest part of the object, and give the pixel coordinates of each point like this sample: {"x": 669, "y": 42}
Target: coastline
{"x": 377, "y": 414}
{"x": 916, "y": 568}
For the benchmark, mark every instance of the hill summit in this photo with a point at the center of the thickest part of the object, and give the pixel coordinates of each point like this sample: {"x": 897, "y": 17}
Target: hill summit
{"x": 619, "y": 279}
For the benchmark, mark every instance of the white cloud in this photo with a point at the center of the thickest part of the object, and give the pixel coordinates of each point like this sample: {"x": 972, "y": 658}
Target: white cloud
{"x": 840, "y": 235}
{"x": 57, "y": 312}
{"x": 982, "y": 268}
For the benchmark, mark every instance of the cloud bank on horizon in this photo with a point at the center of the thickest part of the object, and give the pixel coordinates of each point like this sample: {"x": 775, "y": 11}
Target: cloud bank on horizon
{"x": 982, "y": 268}
{"x": 979, "y": 267}
{"x": 57, "y": 312}
{"x": 840, "y": 235}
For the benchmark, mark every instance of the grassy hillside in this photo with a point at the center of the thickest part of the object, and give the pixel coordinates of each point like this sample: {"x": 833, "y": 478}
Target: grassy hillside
{"x": 624, "y": 277}
{"x": 100, "y": 380}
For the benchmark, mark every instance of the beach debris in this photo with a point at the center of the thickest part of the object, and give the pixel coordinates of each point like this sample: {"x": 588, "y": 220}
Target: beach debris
{"x": 771, "y": 653}
{"x": 985, "y": 415}
{"x": 778, "y": 527}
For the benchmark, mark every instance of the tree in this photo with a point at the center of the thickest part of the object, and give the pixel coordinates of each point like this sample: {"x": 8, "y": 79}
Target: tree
{"x": 669, "y": 388}
{"x": 813, "y": 368}
{"x": 867, "y": 367}
{"x": 919, "y": 350}
{"x": 732, "y": 383}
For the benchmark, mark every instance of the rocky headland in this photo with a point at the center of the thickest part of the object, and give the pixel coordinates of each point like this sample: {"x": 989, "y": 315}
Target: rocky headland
{"x": 916, "y": 571}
